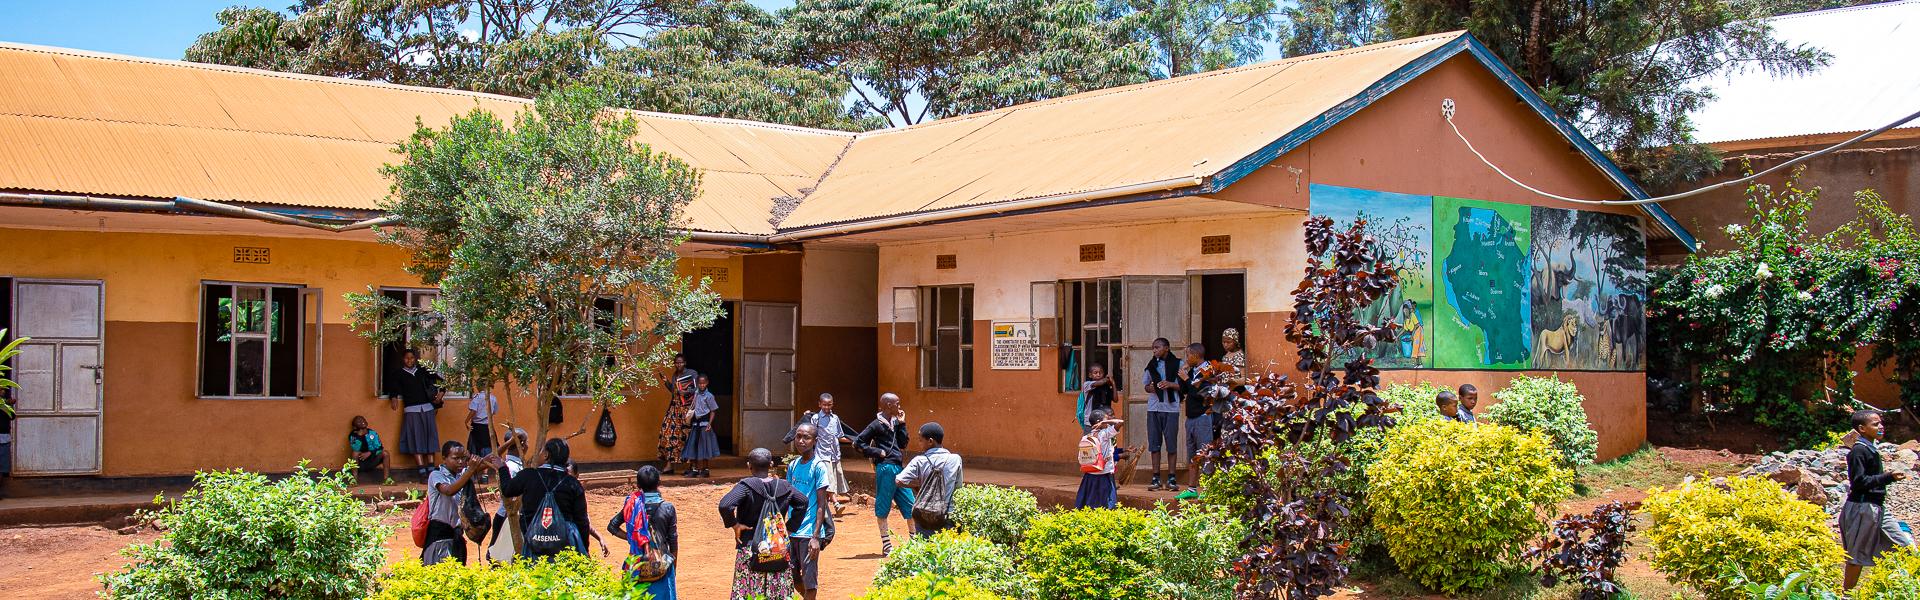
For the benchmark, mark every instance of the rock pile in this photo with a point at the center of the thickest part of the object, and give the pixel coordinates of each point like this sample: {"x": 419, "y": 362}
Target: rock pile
{"x": 1820, "y": 477}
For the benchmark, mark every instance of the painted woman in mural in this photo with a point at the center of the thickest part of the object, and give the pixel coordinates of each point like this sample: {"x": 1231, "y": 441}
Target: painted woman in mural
{"x": 1413, "y": 339}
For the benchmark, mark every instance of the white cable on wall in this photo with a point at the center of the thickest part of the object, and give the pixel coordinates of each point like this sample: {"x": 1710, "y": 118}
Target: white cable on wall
{"x": 1447, "y": 110}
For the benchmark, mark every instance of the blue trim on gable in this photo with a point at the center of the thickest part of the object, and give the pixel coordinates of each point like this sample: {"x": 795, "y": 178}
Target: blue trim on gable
{"x": 1579, "y": 141}
{"x": 1419, "y": 66}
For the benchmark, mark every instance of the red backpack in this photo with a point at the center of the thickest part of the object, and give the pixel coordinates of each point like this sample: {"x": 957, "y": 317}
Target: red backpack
{"x": 419, "y": 524}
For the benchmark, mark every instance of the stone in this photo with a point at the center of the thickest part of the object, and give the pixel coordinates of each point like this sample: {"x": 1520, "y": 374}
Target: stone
{"x": 1789, "y": 477}
{"x": 1809, "y": 491}
{"x": 1905, "y": 457}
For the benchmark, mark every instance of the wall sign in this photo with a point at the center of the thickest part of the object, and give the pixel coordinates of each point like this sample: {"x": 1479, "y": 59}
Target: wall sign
{"x": 253, "y": 255}
{"x": 1016, "y": 347}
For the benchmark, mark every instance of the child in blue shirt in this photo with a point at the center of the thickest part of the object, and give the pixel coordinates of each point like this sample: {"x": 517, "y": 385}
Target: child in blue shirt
{"x": 368, "y": 453}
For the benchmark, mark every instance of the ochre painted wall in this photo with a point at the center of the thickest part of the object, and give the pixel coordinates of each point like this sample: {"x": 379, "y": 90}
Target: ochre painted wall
{"x": 154, "y": 425}
{"x": 1398, "y": 144}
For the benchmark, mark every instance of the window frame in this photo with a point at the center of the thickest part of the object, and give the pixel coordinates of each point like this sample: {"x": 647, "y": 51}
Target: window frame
{"x": 931, "y": 332}
{"x": 440, "y": 349}
{"x": 1077, "y": 332}
{"x": 295, "y": 333}
{"x": 619, "y": 308}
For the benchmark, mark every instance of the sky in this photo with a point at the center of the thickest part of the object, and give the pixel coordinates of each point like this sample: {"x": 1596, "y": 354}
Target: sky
{"x": 151, "y": 28}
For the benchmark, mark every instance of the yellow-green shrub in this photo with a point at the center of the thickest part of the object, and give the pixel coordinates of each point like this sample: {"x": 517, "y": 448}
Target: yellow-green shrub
{"x": 1454, "y": 501}
{"x": 1092, "y": 554}
{"x": 1415, "y": 401}
{"x": 927, "y": 585}
{"x": 569, "y": 576}
{"x": 1706, "y": 537}
{"x": 956, "y": 554}
{"x": 1893, "y": 576}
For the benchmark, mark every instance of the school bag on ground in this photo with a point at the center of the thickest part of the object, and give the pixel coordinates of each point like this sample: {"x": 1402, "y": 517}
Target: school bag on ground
{"x": 930, "y": 510}
{"x": 549, "y": 533}
{"x": 418, "y": 524}
{"x": 648, "y": 558}
{"x": 1092, "y": 460}
{"x": 770, "y": 543}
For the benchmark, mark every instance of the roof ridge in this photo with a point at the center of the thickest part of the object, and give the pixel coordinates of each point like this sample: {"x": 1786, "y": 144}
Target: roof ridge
{"x": 1282, "y": 62}
{"x": 75, "y": 52}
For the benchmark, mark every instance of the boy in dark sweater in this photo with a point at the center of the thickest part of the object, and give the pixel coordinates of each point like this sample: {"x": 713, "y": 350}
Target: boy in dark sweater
{"x": 881, "y": 441}
{"x": 1866, "y": 528}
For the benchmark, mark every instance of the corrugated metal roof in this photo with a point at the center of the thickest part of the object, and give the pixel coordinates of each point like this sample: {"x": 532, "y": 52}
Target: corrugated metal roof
{"x": 1168, "y": 129}
{"x": 85, "y": 123}
{"x": 1870, "y": 82}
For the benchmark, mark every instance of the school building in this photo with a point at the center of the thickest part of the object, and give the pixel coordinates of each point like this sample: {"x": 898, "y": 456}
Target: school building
{"x": 157, "y": 243}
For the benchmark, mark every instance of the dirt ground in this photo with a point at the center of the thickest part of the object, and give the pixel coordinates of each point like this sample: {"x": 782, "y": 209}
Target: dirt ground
{"x": 63, "y": 562}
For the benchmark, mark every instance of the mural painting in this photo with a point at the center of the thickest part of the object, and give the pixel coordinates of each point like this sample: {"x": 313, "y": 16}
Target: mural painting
{"x": 1588, "y": 291}
{"x": 1482, "y": 265}
{"x": 1403, "y": 225}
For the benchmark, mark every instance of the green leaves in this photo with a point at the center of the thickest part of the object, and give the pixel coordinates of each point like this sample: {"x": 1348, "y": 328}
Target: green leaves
{"x": 553, "y": 241}
{"x": 1716, "y": 538}
{"x": 999, "y": 514}
{"x": 951, "y": 554}
{"x": 1552, "y": 408}
{"x": 237, "y": 535}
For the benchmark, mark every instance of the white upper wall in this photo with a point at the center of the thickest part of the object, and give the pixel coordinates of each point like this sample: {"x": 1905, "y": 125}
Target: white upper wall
{"x": 1002, "y": 267}
{"x": 837, "y": 285}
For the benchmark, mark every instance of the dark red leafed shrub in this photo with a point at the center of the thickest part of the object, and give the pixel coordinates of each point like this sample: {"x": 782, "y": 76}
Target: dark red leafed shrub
{"x": 1586, "y": 549}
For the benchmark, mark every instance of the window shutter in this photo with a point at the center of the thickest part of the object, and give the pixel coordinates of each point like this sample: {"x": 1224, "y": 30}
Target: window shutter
{"x": 906, "y": 317}
{"x": 311, "y": 348}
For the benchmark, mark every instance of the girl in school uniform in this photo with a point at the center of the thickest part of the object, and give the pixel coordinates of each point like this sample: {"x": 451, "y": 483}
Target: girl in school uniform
{"x": 702, "y": 444}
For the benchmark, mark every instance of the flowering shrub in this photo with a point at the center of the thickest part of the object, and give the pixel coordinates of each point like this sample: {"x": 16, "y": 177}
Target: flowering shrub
{"x": 1779, "y": 318}
{"x": 1456, "y": 502}
{"x": 237, "y": 535}
{"x": 999, "y": 514}
{"x": 1553, "y": 408}
{"x": 1713, "y": 539}
{"x": 956, "y": 554}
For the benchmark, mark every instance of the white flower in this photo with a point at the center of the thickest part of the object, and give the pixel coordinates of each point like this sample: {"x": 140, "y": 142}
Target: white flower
{"x": 1714, "y": 291}
{"x": 1804, "y": 296}
{"x": 1735, "y": 229}
{"x": 1763, "y": 272}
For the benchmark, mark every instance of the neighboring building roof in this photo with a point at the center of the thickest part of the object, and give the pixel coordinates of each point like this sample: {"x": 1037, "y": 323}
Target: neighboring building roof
{"x": 1871, "y": 80}
{"x": 118, "y": 126}
{"x": 1187, "y": 127}
{"x": 86, "y": 123}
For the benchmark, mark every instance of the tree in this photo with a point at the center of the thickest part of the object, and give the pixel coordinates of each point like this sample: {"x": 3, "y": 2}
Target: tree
{"x": 1195, "y": 36}
{"x": 527, "y": 47}
{"x": 960, "y": 57}
{"x": 528, "y": 229}
{"x": 1628, "y": 71}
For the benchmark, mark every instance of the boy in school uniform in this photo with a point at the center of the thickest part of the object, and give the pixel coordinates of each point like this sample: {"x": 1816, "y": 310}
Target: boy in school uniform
{"x": 882, "y": 441}
{"x": 1199, "y": 412}
{"x": 809, "y": 477}
{"x": 1448, "y": 406}
{"x": 1866, "y": 528}
{"x": 936, "y": 460}
{"x": 1161, "y": 380}
{"x": 830, "y": 432}
{"x": 1469, "y": 398}
{"x": 1100, "y": 393}
{"x": 368, "y": 453}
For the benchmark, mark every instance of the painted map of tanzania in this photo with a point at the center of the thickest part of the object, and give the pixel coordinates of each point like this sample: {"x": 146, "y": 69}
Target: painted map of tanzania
{"x": 1486, "y": 275}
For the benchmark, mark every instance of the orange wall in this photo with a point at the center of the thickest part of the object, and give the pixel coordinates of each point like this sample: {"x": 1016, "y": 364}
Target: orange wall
{"x": 153, "y": 424}
{"x": 1399, "y": 144}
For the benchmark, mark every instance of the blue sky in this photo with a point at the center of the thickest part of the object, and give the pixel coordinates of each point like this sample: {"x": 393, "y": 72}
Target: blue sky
{"x": 154, "y": 29}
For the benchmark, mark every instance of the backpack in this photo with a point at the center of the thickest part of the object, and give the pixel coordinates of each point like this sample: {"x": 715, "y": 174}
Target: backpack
{"x": 604, "y": 434}
{"x": 418, "y": 526}
{"x": 651, "y": 562}
{"x": 477, "y": 521}
{"x": 549, "y": 533}
{"x": 771, "y": 544}
{"x": 930, "y": 510}
{"x": 1092, "y": 459}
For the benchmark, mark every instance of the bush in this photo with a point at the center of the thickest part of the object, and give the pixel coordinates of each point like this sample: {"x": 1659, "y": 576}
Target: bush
{"x": 569, "y": 575}
{"x": 927, "y": 585}
{"x": 1587, "y": 550}
{"x": 1454, "y": 501}
{"x": 237, "y": 535}
{"x": 1415, "y": 401}
{"x": 1708, "y": 537}
{"x": 1551, "y": 407}
{"x": 959, "y": 555}
{"x": 1092, "y": 554}
{"x": 999, "y": 514}
{"x": 1893, "y": 576}
{"x": 1196, "y": 549}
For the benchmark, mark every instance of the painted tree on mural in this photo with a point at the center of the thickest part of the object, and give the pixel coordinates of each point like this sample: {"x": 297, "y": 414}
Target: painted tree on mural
{"x": 529, "y": 228}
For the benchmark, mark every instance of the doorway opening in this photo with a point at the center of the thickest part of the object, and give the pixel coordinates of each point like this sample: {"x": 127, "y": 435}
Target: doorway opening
{"x": 710, "y": 351}
{"x": 1223, "y": 305}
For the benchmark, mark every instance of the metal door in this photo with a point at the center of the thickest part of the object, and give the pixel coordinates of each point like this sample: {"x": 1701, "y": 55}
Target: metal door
{"x": 60, "y": 372}
{"x": 769, "y": 334}
{"x": 1151, "y": 307}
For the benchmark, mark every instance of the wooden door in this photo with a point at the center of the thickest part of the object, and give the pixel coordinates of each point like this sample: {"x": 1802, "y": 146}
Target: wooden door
{"x": 1151, "y": 307}
{"x": 769, "y": 335}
